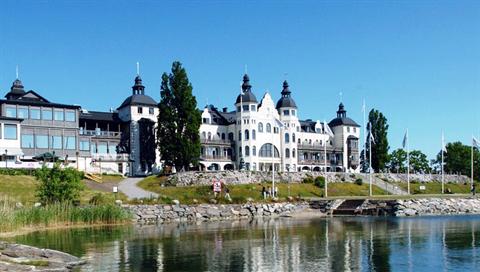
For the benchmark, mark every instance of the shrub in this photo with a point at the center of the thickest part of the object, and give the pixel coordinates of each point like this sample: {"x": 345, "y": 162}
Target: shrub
{"x": 17, "y": 171}
{"x": 58, "y": 185}
{"x": 359, "y": 181}
{"x": 320, "y": 182}
{"x": 308, "y": 179}
{"x": 101, "y": 199}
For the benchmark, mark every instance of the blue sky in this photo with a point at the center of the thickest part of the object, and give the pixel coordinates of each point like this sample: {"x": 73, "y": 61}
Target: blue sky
{"x": 416, "y": 61}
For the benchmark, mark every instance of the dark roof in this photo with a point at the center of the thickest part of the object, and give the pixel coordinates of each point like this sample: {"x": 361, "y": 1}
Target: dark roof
{"x": 343, "y": 121}
{"x": 307, "y": 125}
{"x": 286, "y": 101}
{"x": 220, "y": 117}
{"x": 138, "y": 99}
{"x": 247, "y": 97}
{"x": 100, "y": 116}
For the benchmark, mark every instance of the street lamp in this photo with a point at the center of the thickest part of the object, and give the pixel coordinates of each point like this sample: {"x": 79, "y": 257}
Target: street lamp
{"x": 6, "y": 159}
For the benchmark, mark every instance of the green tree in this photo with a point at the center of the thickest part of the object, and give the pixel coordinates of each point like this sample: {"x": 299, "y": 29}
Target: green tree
{"x": 179, "y": 120}
{"x": 457, "y": 160}
{"x": 398, "y": 161}
{"x": 58, "y": 185}
{"x": 379, "y": 128}
{"x": 419, "y": 162}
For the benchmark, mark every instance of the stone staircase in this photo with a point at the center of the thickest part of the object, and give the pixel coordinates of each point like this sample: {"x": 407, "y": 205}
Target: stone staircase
{"x": 349, "y": 207}
{"x": 390, "y": 188}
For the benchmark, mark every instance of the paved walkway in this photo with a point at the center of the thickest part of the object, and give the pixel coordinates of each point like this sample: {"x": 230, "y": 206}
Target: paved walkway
{"x": 129, "y": 187}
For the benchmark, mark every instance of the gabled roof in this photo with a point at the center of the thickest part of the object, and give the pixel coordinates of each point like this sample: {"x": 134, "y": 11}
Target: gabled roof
{"x": 220, "y": 117}
{"x": 32, "y": 95}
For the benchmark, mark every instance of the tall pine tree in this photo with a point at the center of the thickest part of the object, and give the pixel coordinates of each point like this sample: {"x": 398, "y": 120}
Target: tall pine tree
{"x": 379, "y": 127}
{"x": 178, "y": 120}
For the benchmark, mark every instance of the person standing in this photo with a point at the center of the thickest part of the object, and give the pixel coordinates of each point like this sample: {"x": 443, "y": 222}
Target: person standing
{"x": 264, "y": 193}
{"x": 473, "y": 189}
{"x": 227, "y": 194}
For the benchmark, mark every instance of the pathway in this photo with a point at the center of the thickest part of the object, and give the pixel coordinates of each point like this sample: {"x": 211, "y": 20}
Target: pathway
{"x": 129, "y": 187}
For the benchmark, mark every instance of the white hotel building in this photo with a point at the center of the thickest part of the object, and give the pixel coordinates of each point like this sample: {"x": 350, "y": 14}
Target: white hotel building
{"x": 258, "y": 134}
{"x": 35, "y": 131}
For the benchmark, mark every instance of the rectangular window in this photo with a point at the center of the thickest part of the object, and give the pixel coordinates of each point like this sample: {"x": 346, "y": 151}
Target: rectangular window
{"x": 93, "y": 148}
{"x": 151, "y": 110}
{"x": 58, "y": 115}
{"x": 84, "y": 145}
{"x": 293, "y": 112}
{"x": 41, "y": 141}
{"x": 27, "y": 141}
{"x": 245, "y": 107}
{"x": 286, "y": 112}
{"x": 11, "y": 111}
{"x": 112, "y": 148}
{"x": 47, "y": 114}
{"x": 69, "y": 142}
{"x": 10, "y": 132}
{"x": 140, "y": 110}
{"x": 56, "y": 142}
{"x": 253, "y": 108}
{"x": 22, "y": 113}
{"x": 70, "y": 116}
{"x": 35, "y": 114}
{"x": 102, "y": 148}
{"x": 348, "y": 129}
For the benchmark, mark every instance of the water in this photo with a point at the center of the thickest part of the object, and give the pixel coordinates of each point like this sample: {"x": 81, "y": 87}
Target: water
{"x": 284, "y": 244}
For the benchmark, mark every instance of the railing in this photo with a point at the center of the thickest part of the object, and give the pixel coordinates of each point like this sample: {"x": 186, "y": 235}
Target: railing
{"x": 215, "y": 142}
{"x": 316, "y": 162}
{"x": 215, "y": 158}
{"x": 100, "y": 133}
{"x": 110, "y": 157}
{"x": 306, "y": 146}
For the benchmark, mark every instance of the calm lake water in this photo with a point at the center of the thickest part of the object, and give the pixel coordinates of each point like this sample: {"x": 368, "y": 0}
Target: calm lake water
{"x": 284, "y": 244}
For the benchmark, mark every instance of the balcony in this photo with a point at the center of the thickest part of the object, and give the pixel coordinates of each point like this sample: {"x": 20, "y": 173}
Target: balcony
{"x": 317, "y": 147}
{"x": 316, "y": 162}
{"x": 215, "y": 158}
{"x": 100, "y": 133}
{"x": 216, "y": 142}
{"x": 111, "y": 157}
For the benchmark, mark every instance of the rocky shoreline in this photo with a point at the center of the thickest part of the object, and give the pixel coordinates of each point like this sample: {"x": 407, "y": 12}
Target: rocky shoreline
{"x": 151, "y": 214}
{"x": 16, "y": 257}
{"x": 211, "y": 212}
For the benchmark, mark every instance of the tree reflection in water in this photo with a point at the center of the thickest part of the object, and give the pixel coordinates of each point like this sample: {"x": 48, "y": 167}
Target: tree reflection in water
{"x": 282, "y": 244}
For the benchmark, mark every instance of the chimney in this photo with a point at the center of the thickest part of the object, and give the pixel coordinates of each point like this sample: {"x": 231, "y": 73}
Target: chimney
{"x": 224, "y": 109}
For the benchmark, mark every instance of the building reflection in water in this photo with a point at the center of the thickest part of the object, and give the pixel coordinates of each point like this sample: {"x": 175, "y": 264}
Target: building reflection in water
{"x": 283, "y": 244}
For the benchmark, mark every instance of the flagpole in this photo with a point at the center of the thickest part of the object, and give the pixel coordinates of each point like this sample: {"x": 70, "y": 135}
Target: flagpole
{"x": 364, "y": 133}
{"x": 370, "y": 161}
{"x": 241, "y": 131}
{"x": 408, "y": 164}
{"x": 273, "y": 157}
{"x": 325, "y": 158}
{"x": 443, "y": 179}
{"x": 472, "y": 161}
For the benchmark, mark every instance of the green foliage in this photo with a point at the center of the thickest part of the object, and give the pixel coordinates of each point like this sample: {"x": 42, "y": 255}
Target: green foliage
{"x": 308, "y": 179}
{"x": 379, "y": 128}
{"x": 17, "y": 171}
{"x": 102, "y": 199}
{"x": 178, "y": 120}
{"x": 398, "y": 161}
{"x": 58, "y": 185}
{"x": 320, "y": 182}
{"x": 419, "y": 162}
{"x": 359, "y": 181}
{"x": 60, "y": 214}
{"x": 458, "y": 159}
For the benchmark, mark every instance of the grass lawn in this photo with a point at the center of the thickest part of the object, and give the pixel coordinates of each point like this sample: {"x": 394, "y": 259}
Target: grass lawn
{"x": 112, "y": 178}
{"x": 435, "y": 187}
{"x": 22, "y": 188}
{"x": 240, "y": 193}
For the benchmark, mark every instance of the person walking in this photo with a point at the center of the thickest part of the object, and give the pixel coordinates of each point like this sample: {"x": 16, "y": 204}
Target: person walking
{"x": 264, "y": 193}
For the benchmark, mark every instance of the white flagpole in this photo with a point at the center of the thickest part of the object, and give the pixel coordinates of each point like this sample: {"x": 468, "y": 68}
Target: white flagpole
{"x": 443, "y": 178}
{"x": 325, "y": 160}
{"x": 408, "y": 164}
{"x": 241, "y": 130}
{"x": 370, "y": 160}
{"x": 273, "y": 157}
{"x": 472, "y": 162}
{"x": 364, "y": 133}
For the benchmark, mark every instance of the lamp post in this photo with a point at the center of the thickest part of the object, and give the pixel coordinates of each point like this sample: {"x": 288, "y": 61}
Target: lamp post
{"x": 76, "y": 154}
{"x": 6, "y": 159}
{"x": 53, "y": 157}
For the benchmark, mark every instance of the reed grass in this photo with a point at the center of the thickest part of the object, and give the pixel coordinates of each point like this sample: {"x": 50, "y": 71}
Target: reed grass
{"x": 15, "y": 218}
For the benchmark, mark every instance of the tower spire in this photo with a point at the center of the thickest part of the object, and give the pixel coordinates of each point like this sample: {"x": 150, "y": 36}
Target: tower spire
{"x": 138, "y": 68}
{"x": 16, "y": 72}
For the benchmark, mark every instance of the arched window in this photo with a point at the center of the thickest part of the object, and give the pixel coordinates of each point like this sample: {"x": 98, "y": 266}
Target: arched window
{"x": 247, "y": 151}
{"x": 287, "y": 138}
{"x": 247, "y": 135}
{"x": 293, "y": 153}
{"x": 269, "y": 128}
{"x": 239, "y": 151}
{"x": 266, "y": 151}
{"x": 239, "y": 135}
{"x": 287, "y": 153}
{"x": 230, "y": 136}
{"x": 260, "y": 127}
{"x": 223, "y": 136}
{"x": 209, "y": 135}
{"x": 254, "y": 136}
{"x": 293, "y": 137}
{"x": 204, "y": 135}
{"x": 254, "y": 151}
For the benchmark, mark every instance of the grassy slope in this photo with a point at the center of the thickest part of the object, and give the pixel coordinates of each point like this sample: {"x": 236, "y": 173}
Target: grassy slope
{"x": 22, "y": 188}
{"x": 240, "y": 193}
{"x": 435, "y": 187}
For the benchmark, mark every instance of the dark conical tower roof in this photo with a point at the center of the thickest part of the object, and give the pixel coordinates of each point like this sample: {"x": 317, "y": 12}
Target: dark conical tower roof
{"x": 286, "y": 101}
{"x": 138, "y": 88}
{"x": 247, "y": 96}
{"x": 16, "y": 90}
